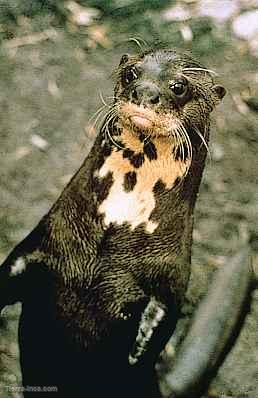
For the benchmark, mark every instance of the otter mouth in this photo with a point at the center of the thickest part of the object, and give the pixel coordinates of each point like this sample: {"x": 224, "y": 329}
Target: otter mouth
{"x": 139, "y": 118}
{"x": 141, "y": 122}
{"x": 146, "y": 124}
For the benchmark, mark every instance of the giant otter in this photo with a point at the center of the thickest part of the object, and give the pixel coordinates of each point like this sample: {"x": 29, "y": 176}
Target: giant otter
{"x": 117, "y": 243}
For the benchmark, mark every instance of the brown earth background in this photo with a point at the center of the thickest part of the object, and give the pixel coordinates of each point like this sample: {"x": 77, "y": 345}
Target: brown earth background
{"x": 56, "y": 63}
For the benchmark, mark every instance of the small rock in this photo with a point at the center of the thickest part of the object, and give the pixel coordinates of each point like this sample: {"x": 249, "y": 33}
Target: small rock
{"x": 81, "y": 16}
{"x": 217, "y": 152}
{"x": 53, "y": 89}
{"x": 240, "y": 104}
{"x": 217, "y": 261}
{"x": 91, "y": 130}
{"x": 186, "y": 33}
{"x": 197, "y": 236}
{"x": 39, "y": 142}
{"x": 245, "y": 26}
{"x": 98, "y": 35}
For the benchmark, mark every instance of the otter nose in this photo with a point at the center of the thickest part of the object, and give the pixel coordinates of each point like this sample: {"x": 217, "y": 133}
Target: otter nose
{"x": 147, "y": 93}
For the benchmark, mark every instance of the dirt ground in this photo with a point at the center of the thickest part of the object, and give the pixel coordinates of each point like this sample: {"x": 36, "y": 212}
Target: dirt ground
{"x": 54, "y": 71}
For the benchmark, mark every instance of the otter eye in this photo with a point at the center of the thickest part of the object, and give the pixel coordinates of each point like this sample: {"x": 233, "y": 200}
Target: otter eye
{"x": 130, "y": 74}
{"x": 179, "y": 88}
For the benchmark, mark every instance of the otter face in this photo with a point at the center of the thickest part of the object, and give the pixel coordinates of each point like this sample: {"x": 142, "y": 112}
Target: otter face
{"x": 165, "y": 94}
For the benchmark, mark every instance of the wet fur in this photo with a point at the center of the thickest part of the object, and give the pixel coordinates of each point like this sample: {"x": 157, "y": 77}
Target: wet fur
{"x": 89, "y": 272}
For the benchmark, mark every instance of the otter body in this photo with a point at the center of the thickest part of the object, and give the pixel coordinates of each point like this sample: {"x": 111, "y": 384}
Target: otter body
{"x": 119, "y": 236}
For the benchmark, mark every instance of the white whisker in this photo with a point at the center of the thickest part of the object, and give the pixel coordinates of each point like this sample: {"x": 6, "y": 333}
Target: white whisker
{"x": 110, "y": 117}
{"x": 188, "y": 143}
{"x": 212, "y": 72}
{"x": 102, "y": 98}
{"x": 146, "y": 139}
{"x": 182, "y": 142}
{"x": 203, "y": 141}
{"x": 99, "y": 111}
{"x": 137, "y": 41}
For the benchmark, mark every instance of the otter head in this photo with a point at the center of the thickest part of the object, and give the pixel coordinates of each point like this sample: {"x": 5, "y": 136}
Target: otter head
{"x": 158, "y": 123}
{"x": 165, "y": 94}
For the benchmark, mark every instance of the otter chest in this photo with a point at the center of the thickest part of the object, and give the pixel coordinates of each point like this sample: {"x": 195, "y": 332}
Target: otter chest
{"x": 131, "y": 198}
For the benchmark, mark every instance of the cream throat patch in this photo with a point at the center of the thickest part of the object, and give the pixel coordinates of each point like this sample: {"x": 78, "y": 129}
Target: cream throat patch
{"x": 131, "y": 197}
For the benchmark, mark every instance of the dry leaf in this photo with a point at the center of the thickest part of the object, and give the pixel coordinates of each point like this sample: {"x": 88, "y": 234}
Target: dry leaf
{"x": 98, "y": 35}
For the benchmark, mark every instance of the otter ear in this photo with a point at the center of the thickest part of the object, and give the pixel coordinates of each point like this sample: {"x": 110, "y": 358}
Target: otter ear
{"x": 220, "y": 91}
{"x": 124, "y": 59}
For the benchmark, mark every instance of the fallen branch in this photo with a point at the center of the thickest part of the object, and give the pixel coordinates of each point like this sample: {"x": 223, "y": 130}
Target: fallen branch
{"x": 216, "y": 325}
{"x": 31, "y": 39}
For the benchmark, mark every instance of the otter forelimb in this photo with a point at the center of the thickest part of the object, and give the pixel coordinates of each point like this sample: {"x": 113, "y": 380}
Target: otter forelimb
{"x": 153, "y": 315}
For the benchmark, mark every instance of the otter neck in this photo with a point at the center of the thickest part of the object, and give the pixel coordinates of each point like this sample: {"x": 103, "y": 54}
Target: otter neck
{"x": 136, "y": 170}
{"x": 150, "y": 158}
